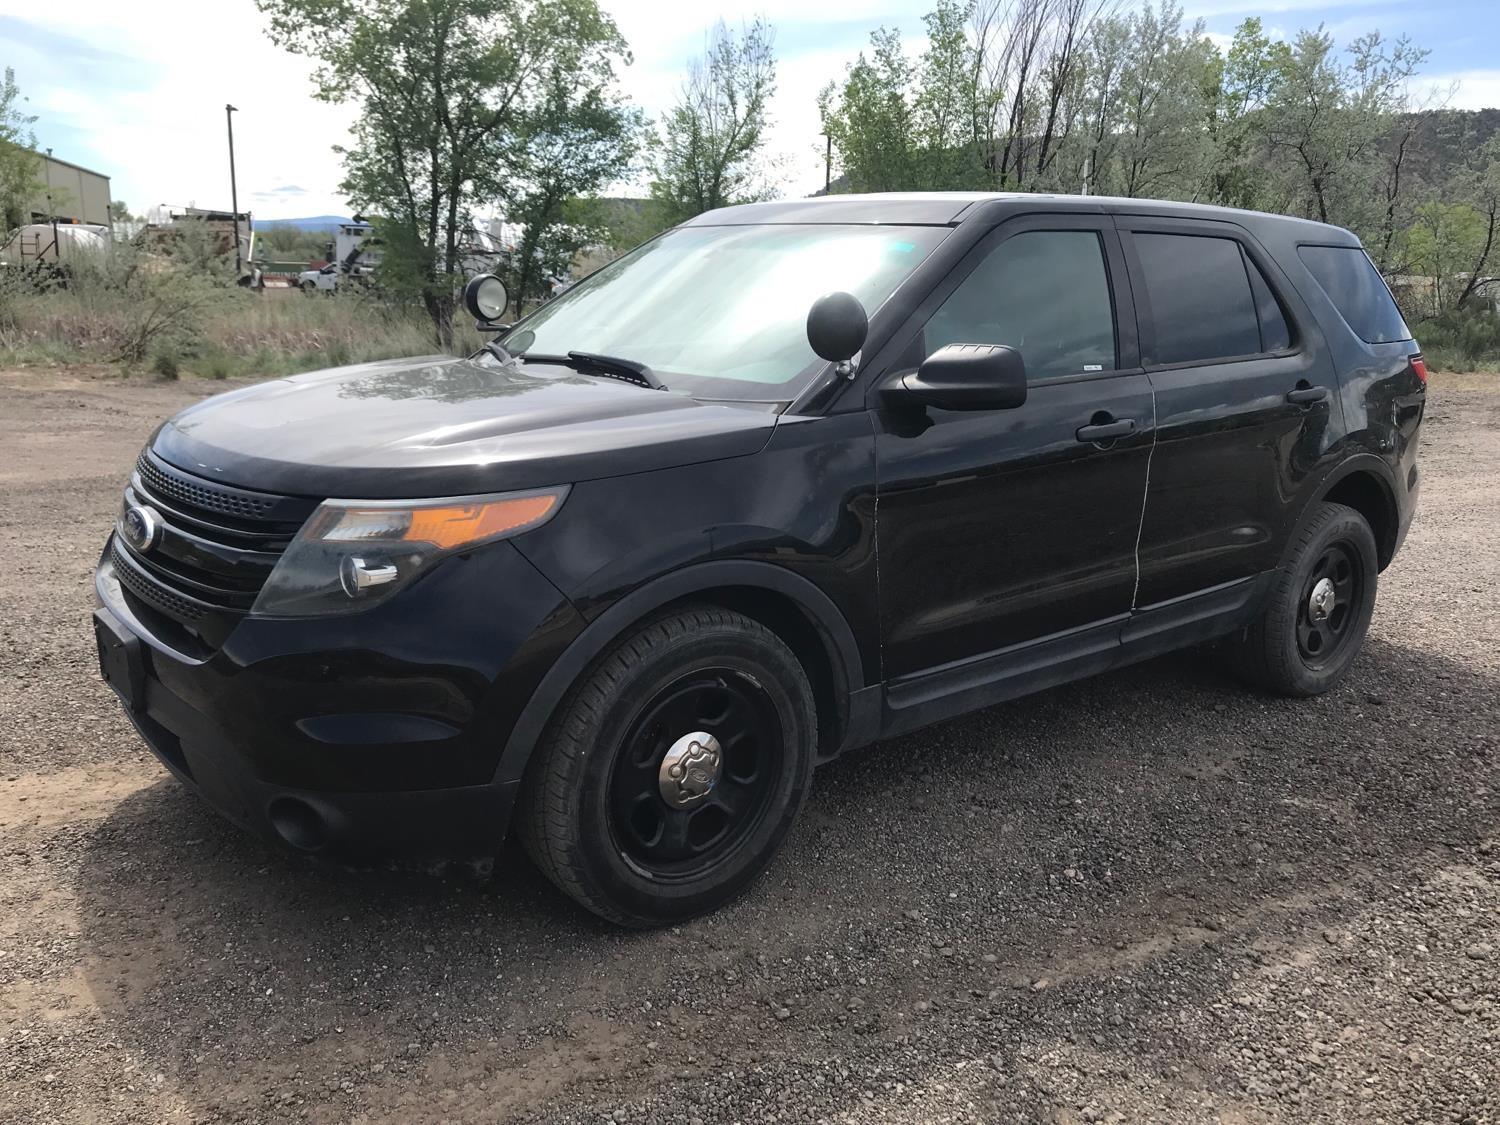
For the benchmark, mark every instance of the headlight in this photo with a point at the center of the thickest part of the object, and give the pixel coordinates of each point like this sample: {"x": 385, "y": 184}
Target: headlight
{"x": 352, "y": 554}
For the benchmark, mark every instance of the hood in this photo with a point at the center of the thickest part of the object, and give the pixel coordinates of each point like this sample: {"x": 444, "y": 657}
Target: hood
{"x": 440, "y": 426}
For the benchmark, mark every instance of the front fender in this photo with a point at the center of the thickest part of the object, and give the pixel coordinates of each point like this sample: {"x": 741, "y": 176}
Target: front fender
{"x": 614, "y": 622}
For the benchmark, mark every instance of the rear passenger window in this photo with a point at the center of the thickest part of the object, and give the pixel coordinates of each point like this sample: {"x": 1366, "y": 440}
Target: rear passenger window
{"x": 1358, "y": 291}
{"x": 1046, "y": 294}
{"x": 1202, "y": 306}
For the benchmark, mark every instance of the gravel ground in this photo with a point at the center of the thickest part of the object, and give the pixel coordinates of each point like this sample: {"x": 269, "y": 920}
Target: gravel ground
{"x": 1151, "y": 896}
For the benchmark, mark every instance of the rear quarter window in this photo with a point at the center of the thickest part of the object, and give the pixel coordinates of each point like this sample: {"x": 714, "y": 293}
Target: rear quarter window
{"x": 1357, "y": 290}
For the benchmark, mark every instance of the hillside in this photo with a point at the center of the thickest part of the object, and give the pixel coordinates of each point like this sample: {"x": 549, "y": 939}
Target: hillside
{"x": 315, "y": 223}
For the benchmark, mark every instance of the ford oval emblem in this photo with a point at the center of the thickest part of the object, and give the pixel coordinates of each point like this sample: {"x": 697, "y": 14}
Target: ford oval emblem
{"x": 141, "y": 528}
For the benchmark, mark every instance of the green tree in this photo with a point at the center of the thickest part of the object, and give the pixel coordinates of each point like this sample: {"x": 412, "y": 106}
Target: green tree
{"x": 20, "y": 178}
{"x": 1328, "y": 116}
{"x": 711, "y": 139}
{"x": 870, "y": 119}
{"x": 1241, "y": 84}
{"x": 1444, "y": 244}
{"x": 581, "y": 141}
{"x": 1452, "y": 239}
{"x": 1162, "y": 147}
{"x": 287, "y": 242}
{"x": 119, "y": 211}
{"x": 994, "y": 101}
{"x": 949, "y": 105}
{"x": 446, "y": 89}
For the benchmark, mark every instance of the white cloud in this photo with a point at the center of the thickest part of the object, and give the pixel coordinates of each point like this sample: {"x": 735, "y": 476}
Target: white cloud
{"x": 151, "y": 113}
{"x": 1461, "y": 89}
{"x": 142, "y": 97}
{"x": 1209, "y": 8}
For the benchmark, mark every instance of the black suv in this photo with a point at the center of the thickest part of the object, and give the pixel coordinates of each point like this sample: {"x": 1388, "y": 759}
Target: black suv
{"x": 628, "y": 574}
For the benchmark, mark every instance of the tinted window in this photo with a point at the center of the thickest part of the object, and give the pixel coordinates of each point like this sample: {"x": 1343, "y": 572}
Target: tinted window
{"x": 1274, "y": 334}
{"x": 1201, "y": 304}
{"x": 1046, "y": 294}
{"x": 1357, "y": 290}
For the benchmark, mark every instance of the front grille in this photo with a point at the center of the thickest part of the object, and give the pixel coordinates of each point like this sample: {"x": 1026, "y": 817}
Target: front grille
{"x": 217, "y": 546}
{"x": 211, "y": 497}
{"x": 153, "y": 593}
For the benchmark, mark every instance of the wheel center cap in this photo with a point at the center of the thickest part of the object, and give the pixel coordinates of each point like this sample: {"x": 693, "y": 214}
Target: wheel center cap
{"x": 1320, "y": 602}
{"x": 690, "y": 769}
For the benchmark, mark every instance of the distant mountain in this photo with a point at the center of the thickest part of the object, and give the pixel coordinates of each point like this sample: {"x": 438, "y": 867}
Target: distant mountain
{"x": 311, "y": 223}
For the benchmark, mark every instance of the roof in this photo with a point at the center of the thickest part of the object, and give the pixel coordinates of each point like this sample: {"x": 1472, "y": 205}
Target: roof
{"x": 70, "y": 164}
{"x": 944, "y": 208}
{"x": 937, "y": 208}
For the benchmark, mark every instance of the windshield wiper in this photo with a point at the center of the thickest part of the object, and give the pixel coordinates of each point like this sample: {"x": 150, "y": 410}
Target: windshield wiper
{"x": 612, "y": 366}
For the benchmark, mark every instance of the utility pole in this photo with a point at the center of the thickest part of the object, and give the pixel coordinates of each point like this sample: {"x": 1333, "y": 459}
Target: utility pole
{"x": 828, "y": 165}
{"x": 234, "y": 194}
{"x": 51, "y": 210}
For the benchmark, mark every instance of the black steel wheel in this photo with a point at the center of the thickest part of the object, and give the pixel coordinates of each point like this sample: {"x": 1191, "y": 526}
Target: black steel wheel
{"x": 1318, "y": 609}
{"x": 675, "y": 830}
{"x": 670, "y": 776}
{"x": 1329, "y": 605}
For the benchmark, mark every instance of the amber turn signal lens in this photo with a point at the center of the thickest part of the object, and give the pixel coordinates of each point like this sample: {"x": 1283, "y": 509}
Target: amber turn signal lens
{"x": 451, "y": 527}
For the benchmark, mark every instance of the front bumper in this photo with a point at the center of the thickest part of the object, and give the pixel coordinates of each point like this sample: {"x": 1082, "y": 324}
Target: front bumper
{"x": 375, "y": 737}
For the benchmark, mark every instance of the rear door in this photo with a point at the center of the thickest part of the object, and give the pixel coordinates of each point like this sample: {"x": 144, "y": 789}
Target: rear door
{"x": 1244, "y": 398}
{"x": 999, "y": 527}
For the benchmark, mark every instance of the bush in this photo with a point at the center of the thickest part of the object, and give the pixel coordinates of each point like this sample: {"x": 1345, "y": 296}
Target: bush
{"x": 1470, "y": 335}
{"x": 165, "y": 365}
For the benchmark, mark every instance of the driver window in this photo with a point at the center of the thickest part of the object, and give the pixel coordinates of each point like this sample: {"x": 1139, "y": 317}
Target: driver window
{"x": 1046, "y": 294}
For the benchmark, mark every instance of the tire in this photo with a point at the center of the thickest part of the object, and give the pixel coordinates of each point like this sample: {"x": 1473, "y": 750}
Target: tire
{"x": 594, "y": 812}
{"x": 1289, "y": 650}
{"x": 307, "y": 288}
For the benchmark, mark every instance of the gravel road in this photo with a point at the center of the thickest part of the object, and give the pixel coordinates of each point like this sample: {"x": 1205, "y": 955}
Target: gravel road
{"x": 1151, "y": 896}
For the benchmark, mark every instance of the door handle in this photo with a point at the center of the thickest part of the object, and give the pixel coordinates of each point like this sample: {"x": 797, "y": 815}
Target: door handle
{"x": 1304, "y": 395}
{"x": 1106, "y": 431}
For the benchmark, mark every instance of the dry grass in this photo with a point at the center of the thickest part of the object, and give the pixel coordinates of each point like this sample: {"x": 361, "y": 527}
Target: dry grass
{"x": 212, "y": 331}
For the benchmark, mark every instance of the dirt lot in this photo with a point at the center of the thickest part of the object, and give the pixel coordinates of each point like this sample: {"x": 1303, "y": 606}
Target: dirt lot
{"x": 1153, "y": 896}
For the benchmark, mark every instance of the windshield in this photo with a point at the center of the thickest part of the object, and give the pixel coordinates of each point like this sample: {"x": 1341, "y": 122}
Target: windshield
{"x": 721, "y": 312}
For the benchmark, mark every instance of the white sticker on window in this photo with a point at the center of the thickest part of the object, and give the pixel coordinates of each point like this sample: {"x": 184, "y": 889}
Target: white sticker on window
{"x": 1093, "y": 367}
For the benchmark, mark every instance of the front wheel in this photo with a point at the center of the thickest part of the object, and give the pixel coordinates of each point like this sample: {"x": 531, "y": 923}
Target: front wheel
{"x": 1319, "y": 610}
{"x": 674, "y": 769}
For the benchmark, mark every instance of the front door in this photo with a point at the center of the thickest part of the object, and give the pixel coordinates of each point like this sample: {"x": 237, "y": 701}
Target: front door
{"x": 1000, "y": 527}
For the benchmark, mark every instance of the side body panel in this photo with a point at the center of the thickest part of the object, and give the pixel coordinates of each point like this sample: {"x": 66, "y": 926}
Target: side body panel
{"x": 1000, "y": 527}
{"x": 1381, "y": 396}
{"x": 1234, "y": 459}
{"x": 805, "y": 503}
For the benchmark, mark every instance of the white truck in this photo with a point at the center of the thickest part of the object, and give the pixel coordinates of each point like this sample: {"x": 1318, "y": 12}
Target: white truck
{"x": 352, "y": 256}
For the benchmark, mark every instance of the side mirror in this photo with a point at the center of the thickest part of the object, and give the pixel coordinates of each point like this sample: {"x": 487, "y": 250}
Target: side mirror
{"x": 485, "y": 298}
{"x": 963, "y": 377}
{"x": 837, "y": 326}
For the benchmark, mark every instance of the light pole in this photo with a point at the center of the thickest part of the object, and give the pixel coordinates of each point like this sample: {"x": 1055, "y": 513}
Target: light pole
{"x": 234, "y": 194}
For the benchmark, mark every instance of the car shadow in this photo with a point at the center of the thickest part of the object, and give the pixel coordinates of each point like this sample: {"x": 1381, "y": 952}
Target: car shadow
{"x": 1159, "y": 811}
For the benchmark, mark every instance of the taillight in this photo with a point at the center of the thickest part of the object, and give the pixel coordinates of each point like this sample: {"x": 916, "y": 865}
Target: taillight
{"x": 1419, "y": 365}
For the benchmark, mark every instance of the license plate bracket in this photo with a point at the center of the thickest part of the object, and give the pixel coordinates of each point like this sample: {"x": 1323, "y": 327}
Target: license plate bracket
{"x": 122, "y": 663}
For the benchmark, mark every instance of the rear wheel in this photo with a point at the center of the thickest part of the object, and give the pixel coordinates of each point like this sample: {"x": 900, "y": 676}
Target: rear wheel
{"x": 674, "y": 769}
{"x": 1319, "y": 610}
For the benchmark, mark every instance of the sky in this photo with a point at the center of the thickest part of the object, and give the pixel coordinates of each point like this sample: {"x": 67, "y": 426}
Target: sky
{"x": 137, "y": 91}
